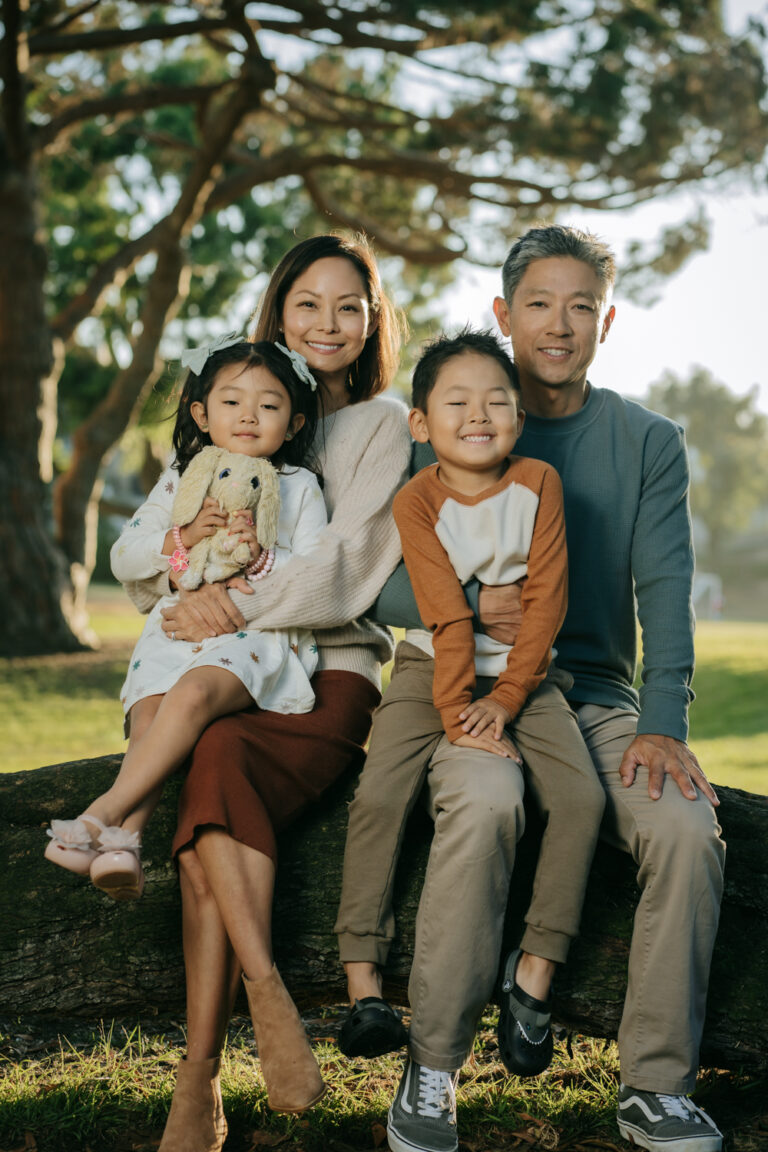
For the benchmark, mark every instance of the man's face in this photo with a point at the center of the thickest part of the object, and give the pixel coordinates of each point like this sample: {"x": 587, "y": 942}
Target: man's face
{"x": 556, "y": 320}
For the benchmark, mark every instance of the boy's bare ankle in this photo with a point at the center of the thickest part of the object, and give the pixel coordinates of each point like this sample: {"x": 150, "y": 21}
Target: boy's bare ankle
{"x": 534, "y": 975}
{"x": 363, "y": 979}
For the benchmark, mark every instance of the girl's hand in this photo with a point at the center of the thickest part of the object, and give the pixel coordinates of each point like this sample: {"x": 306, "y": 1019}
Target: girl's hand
{"x": 207, "y": 522}
{"x": 242, "y": 528}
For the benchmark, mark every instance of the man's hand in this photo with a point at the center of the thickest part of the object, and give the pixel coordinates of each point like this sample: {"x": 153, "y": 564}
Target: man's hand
{"x": 206, "y": 611}
{"x": 488, "y": 743}
{"x": 500, "y": 611}
{"x": 663, "y": 756}
{"x": 484, "y": 713}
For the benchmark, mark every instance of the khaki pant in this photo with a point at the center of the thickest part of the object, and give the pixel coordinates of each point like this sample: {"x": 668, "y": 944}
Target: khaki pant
{"x": 680, "y": 856}
{"x": 476, "y": 802}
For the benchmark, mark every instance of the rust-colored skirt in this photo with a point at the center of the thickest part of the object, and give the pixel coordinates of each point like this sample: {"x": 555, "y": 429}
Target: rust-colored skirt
{"x": 254, "y": 772}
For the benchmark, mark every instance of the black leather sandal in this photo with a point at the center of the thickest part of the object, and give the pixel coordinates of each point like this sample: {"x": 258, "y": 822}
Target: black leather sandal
{"x": 525, "y": 1034}
{"x": 372, "y": 1028}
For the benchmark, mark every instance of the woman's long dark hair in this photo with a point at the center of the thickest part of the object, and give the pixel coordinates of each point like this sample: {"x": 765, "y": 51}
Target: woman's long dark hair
{"x": 188, "y": 439}
{"x": 375, "y": 368}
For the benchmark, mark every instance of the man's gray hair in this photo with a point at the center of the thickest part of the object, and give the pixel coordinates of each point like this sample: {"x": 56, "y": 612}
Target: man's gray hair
{"x": 558, "y": 240}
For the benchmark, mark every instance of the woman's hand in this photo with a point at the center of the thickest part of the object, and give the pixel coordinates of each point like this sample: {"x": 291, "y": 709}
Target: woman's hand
{"x": 206, "y": 611}
{"x": 207, "y": 523}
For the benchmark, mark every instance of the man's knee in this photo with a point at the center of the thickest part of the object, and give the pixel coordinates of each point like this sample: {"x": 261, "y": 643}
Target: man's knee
{"x": 682, "y": 838}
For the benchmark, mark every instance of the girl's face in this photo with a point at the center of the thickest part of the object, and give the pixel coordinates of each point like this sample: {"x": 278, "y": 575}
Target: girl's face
{"x": 247, "y": 411}
{"x": 326, "y": 316}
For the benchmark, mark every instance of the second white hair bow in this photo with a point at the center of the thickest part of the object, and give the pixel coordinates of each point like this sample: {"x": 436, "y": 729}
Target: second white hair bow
{"x": 300, "y": 366}
{"x": 195, "y": 358}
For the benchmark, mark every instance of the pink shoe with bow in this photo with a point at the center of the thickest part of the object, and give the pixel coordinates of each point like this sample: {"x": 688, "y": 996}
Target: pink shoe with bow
{"x": 116, "y": 868}
{"x": 71, "y": 845}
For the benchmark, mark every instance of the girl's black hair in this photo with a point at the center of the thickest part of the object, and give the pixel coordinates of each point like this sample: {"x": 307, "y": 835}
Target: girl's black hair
{"x": 188, "y": 439}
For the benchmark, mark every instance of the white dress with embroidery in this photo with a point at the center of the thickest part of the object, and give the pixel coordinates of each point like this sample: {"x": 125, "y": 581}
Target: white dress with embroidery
{"x": 275, "y": 666}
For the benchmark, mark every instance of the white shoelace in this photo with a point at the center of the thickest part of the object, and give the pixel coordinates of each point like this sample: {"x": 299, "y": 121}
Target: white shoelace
{"x": 681, "y": 1107}
{"x": 437, "y": 1093}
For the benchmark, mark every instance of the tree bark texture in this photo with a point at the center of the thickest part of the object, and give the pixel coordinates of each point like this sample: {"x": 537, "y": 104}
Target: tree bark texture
{"x": 32, "y": 575}
{"x": 68, "y": 950}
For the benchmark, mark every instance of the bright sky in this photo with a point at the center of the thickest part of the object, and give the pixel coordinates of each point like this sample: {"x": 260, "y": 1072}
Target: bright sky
{"x": 710, "y": 313}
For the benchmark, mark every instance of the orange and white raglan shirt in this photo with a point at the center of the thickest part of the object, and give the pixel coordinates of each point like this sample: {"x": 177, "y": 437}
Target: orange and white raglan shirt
{"x": 510, "y": 534}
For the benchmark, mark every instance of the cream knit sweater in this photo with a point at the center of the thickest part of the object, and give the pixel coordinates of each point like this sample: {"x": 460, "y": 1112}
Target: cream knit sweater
{"x": 364, "y": 453}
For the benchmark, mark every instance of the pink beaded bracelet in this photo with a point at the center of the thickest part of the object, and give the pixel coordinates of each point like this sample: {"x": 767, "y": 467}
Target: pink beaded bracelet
{"x": 263, "y": 566}
{"x": 179, "y": 560}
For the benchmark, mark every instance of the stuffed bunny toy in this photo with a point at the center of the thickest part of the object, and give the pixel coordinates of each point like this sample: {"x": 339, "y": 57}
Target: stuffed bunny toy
{"x": 237, "y": 482}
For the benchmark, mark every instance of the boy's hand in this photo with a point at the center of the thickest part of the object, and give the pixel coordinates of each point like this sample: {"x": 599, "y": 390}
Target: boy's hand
{"x": 484, "y": 713}
{"x": 207, "y": 522}
{"x": 488, "y": 743}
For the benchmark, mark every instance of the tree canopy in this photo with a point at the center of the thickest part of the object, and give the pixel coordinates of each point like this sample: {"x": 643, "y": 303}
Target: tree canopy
{"x": 157, "y": 158}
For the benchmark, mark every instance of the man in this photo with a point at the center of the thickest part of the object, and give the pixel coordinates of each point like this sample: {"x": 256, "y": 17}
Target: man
{"x": 625, "y": 482}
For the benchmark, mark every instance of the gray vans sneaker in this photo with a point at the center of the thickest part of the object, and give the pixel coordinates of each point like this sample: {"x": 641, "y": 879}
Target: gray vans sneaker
{"x": 663, "y": 1122}
{"x": 423, "y": 1113}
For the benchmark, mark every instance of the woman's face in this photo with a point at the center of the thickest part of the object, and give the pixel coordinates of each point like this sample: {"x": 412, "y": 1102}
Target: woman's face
{"x": 326, "y": 316}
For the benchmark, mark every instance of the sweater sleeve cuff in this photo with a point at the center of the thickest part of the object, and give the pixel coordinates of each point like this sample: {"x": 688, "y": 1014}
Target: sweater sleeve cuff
{"x": 664, "y": 713}
{"x": 451, "y": 722}
{"x": 510, "y": 699}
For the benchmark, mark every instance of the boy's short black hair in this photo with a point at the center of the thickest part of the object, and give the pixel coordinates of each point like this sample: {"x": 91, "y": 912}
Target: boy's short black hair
{"x": 445, "y": 348}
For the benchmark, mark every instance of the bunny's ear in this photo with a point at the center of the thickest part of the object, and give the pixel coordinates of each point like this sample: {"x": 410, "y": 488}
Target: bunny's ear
{"x": 193, "y": 485}
{"x": 268, "y": 511}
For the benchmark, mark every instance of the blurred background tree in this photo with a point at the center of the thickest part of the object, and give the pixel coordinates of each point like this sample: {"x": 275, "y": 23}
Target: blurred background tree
{"x": 728, "y": 448}
{"x": 157, "y": 159}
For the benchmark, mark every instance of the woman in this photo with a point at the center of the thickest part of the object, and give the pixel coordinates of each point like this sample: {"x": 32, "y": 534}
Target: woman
{"x": 253, "y": 773}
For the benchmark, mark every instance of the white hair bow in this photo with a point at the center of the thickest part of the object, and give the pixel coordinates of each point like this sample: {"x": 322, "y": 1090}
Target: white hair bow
{"x": 299, "y": 365}
{"x": 195, "y": 358}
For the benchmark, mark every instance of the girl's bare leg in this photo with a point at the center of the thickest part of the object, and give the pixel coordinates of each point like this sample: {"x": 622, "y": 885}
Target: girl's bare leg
{"x": 199, "y": 697}
{"x": 142, "y": 714}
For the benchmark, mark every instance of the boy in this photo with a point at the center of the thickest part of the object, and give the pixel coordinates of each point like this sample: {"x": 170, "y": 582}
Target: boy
{"x": 477, "y": 513}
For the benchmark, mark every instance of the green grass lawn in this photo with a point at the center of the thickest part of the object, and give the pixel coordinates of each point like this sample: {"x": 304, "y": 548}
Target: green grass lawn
{"x": 59, "y": 708}
{"x": 109, "y": 1088}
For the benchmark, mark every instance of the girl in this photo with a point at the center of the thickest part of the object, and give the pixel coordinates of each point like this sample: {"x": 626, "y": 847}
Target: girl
{"x": 253, "y": 773}
{"x": 248, "y": 399}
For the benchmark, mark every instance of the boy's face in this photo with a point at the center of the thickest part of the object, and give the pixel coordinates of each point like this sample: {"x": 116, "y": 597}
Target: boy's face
{"x": 472, "y": 419}
{"x": 556, "y": 319}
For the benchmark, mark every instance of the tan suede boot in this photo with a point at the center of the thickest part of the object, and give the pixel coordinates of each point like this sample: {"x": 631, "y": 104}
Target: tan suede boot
{"x": 289, "y": 1069}
{"x": 196, "y": 1120}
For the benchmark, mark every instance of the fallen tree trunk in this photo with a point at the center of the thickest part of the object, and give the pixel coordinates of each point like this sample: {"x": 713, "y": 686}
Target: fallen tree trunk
{"x": 67, "y": 950}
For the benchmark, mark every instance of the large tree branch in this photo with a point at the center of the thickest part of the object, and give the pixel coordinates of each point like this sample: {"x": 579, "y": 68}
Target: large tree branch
{"x": 72, "y": 15}
{"x": 109, "y": 272}
{"x": 54, "y": 44}
{"x": 417, "y": 251}
{"x": 129, "y": 103}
